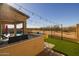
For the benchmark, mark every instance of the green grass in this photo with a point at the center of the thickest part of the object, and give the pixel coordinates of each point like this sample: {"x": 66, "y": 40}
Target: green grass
{"x": 64, "y": 46}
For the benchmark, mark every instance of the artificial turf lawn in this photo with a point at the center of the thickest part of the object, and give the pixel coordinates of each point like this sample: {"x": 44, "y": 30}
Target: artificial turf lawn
{"x": 64, "y": 46}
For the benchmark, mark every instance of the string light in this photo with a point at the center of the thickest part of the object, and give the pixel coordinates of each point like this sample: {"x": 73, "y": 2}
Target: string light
{"x": 44, "y": 20}
{"x": 35, "y": 14}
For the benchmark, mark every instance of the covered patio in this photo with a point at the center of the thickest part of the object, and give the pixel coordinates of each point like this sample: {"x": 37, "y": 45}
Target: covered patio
{"x": 20, "y": 44}
{"x": 10, "y": 15}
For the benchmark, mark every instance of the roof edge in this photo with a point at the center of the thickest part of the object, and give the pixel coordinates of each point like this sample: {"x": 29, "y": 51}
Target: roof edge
{"x": 17, "y": 10}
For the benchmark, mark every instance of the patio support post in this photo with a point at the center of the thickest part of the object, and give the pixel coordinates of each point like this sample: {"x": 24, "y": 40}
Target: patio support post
{"x": 14, "y": 29}
{"x": 0, "y": 29}
{"x": 24, "y": 27}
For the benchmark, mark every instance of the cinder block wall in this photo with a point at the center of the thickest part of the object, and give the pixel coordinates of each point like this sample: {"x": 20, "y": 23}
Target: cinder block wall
{"x": 29, "y": 47}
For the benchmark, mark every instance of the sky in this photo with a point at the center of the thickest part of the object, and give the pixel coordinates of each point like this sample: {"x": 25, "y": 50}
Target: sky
{"x": 51, "y": 14}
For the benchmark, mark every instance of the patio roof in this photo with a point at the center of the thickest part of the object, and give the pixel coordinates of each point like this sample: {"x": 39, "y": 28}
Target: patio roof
{"x": 9, "y": 14}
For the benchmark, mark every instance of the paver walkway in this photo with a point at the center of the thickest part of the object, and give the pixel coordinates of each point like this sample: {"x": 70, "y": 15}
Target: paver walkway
{"x": 48, "y": 51}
